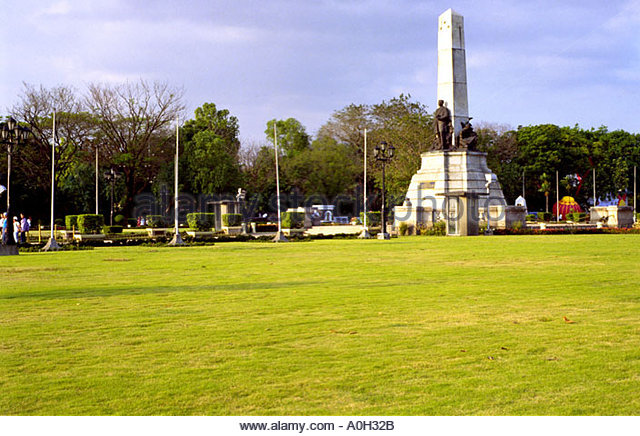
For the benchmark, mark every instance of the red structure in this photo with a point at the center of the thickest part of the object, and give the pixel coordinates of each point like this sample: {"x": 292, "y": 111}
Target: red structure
{"x": 566, "y": 205}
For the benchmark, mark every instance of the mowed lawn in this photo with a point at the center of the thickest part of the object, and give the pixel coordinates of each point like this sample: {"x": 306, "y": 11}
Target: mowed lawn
{"x": 412, "y": 326}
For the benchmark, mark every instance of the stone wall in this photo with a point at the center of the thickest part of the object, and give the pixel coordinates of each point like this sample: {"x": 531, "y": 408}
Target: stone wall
{"x": 612, "y": 216}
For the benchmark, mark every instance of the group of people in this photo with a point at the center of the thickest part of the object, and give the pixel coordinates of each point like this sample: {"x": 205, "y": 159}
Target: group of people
{"x": 18, "y": 229}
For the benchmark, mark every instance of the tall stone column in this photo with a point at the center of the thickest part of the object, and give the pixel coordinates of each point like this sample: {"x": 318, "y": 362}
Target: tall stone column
{"x": 452, "y": 68}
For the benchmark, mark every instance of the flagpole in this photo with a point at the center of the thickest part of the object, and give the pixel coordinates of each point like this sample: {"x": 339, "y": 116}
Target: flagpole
{"x": 97, "y": 179}
{"x": 52, "y": 245}
{"x": 594, "y": 187}
{"x": 557, "y": 198}
{"x": 279, "y": 237}
{"x": 177, "y": 239}
{"x": 53, "y": 169}
{"x": 365, "y": 232}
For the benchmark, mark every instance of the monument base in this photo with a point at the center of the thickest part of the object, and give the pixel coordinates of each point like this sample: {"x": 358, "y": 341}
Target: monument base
{"x": 462, "y": 214}
{"x": 503, "y": 217}
{"x": 612, "y": 216}
{"x": 461, "y": 179}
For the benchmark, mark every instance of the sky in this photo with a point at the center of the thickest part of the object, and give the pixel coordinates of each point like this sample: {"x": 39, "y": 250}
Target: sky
{"x": 528, "y": 62}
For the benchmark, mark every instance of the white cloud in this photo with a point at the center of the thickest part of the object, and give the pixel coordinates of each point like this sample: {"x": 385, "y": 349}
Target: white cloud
{"x": 307, "y": 59}
{"x": 627, "y": 19}
{"x": 60, "y": 8}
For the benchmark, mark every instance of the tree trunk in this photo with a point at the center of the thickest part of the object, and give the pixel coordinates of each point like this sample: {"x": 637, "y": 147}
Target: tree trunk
{"x": 546, "y": 198}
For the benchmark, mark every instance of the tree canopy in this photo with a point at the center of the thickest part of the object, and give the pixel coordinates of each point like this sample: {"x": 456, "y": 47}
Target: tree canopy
{"x": 132, "y": 128}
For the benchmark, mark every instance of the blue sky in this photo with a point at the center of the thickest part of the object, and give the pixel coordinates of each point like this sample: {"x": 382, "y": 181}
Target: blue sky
{"x": 528, "y": 62}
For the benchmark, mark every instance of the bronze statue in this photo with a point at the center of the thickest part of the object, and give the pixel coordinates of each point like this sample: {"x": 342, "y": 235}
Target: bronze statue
{"x": 442, "y": 124}
{"x": 467, "y": 139}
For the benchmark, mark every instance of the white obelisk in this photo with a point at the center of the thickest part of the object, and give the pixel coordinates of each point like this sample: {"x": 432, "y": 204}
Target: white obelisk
{"x": 452, "y": 68}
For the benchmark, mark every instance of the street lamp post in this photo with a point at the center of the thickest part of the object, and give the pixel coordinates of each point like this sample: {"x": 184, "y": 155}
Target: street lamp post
{"x": 111, "y": 176}
{"x": 383, "y": 153}
{"x": 12, "y": 135}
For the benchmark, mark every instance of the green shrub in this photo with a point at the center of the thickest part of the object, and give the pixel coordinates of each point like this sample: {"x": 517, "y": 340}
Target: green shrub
{"x": 516, "y": 225}
{"x": 373, "y": 218}
{"x": 107, "y": 230}
{"x": 119, "y": 219}
{"x": 90, "y": 223}
{"x": 292, "y": 220}
{"x": 531, "y": 217}
{"x": 58, "y": 222}
{"x": 71, "y": 222}
{"x": 439, "y": 228}
{"x": 544, "y": 216}
{"x": 155, "y": 221}
{"x": 577, "y": 217}
{"x": 232, "y": 219}
{"x": 200, "y": 221}
{"x": 404, "y": 229}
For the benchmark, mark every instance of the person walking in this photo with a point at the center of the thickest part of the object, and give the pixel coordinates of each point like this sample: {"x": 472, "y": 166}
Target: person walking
{"x": 16, "y": 230}
{"x": 3, "y": 227}
{"x": 24, "y": 228}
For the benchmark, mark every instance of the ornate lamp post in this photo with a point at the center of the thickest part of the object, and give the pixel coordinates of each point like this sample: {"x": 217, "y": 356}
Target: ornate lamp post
{"x": 383, "y": 153}
{"x": 111, "y": 176}
{"x": 11, "y": 134}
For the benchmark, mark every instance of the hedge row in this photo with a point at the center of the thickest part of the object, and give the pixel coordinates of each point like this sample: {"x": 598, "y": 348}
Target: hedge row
{"x": 292, "y": 220}
{"x": 201, "y": 222}
{"x": 544, "y": 216}
{"x": 232, "y": 219}
{"x": 90, "y": 223}
{"x": 71, "y": 222}
{"x": 576, "y": 217}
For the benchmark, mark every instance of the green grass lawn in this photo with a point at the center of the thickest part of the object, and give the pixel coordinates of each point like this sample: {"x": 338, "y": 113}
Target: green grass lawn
{"x": 413, "y": 326}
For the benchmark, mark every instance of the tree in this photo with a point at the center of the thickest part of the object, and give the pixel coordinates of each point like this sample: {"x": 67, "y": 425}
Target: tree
{"x": 407, "y": 125}
{"x": 501, "y": 146}
{"x": 76, "y": 130}
{"x": 211, "y": 151}
{"x": 548, "y": 148}
{"x": 545, "y": 187}
{"x": 292, "y": 136}
{"x": 400, "y": 121}
{"x": 136, "y": 121}
{"x": 260, "y": 176}
{"x": 327, "y": 169}
{"x": 211, "y": 167}
{"x": 347, "y": 125}
{"x": 613, "y": 155}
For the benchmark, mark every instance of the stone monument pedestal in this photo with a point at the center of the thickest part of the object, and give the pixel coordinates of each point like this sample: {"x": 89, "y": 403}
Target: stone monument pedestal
{"x": 462, "y": 213}
{"x": 612, "y": 216}
{"x": 459, "y": 188}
